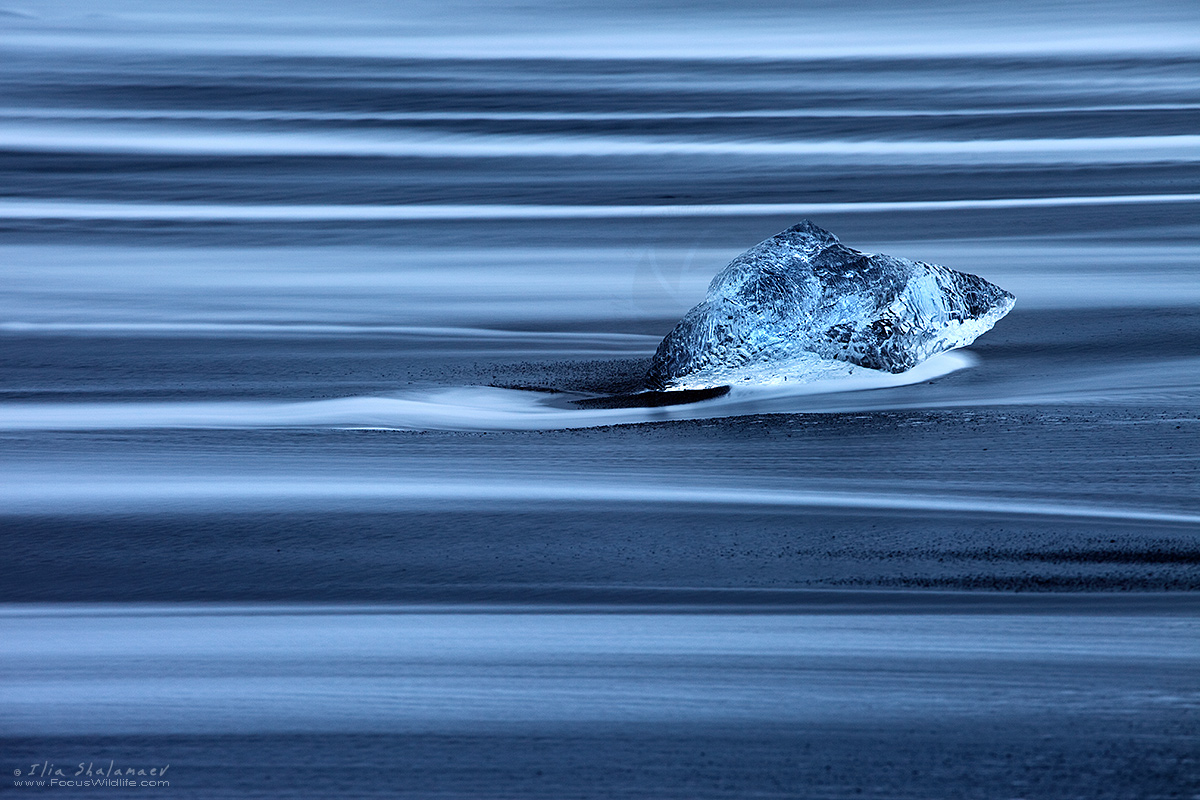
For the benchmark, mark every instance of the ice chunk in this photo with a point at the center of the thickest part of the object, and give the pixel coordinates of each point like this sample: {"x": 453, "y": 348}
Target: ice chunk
{"x": 801, "y": 304}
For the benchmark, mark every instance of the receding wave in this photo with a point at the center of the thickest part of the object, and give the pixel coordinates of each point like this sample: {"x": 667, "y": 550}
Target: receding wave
{"x": 35, "y": 494}
{"x": 634, "y": 341}
{"x": 407, "y": 144}
{"x": 307, "y": 115}
{"x": 796, "y": 38}
{"x": 38, "y": 209}
{"x": 476, "y": 408}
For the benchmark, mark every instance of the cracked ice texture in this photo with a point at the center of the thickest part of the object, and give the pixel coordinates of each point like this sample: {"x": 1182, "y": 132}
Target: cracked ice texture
{"x": 802, "y": 298}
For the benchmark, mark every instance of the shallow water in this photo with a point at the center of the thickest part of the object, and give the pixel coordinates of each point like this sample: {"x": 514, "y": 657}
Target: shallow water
{"x": 279, "y": 283}
{"x": 375, "y": 697}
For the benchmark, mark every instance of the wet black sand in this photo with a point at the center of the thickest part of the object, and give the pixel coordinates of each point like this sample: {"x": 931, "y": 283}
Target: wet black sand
{"x": 980, "y": 434}
{"x": 1095, "y": 457}
{"x": 981, "y": 586}
{"x": 848, "y": 695}
{"x": 996, "y": 758}
{"x": 1047, "y": 520}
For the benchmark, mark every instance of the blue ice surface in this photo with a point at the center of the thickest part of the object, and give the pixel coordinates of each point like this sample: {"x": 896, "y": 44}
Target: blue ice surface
{"x": 801, "y": 305}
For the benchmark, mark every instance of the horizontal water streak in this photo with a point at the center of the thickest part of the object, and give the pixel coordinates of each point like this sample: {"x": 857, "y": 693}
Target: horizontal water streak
{"x": 463, "y": 408}
{"x": 72, "y": 288}
{"x": 485, "y": 408}
{"x": 406, "y": 144}
{"x": 658, "y": 601}
{"x": 632, "y": 341}
{"x": 56, "y": 209}
{"x": 796, "y": 41}
{"x": 304, "y": 115}
{"x": 168, "y": 673}
{"x": 145, "y": 493}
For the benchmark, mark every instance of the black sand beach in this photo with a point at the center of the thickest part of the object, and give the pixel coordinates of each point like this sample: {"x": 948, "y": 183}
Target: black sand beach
{"x": 1032, "y": 471}
{"x": 963, "y": 509}
{"x": 312, "y": 479}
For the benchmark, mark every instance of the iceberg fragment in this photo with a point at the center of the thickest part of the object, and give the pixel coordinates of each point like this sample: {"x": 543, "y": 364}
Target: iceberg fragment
{"x": 802, "y": 305}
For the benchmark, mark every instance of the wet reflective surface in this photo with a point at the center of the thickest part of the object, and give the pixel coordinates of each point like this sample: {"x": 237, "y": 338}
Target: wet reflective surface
{"x": 279, "y": 283}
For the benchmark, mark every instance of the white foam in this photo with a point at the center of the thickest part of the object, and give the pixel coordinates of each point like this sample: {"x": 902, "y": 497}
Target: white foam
{"x": 545, "y": 33}
{"x": 133, "y": 137}
{"x": 201, "y": 212}
{"x": 475, "y": 408}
